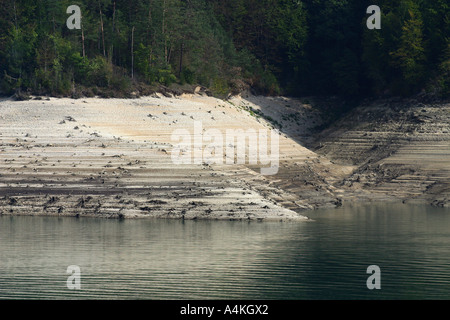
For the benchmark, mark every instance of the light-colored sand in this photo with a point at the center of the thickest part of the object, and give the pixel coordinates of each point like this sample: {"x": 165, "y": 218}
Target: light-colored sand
{"x": 113, "y": 158}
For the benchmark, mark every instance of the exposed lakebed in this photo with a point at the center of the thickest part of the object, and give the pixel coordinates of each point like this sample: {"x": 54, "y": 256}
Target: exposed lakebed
{"x": 112, "y": 158}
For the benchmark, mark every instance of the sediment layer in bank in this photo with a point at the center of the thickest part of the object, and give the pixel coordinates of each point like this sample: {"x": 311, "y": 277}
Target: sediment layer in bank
{"x": 112, "y": 157}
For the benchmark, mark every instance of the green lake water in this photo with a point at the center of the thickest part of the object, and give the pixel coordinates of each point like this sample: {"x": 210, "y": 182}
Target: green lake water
{"x": 326, "y": 258}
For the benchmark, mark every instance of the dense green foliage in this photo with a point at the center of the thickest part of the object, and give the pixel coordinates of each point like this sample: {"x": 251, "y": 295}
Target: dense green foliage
{"x": 297, "y": 47}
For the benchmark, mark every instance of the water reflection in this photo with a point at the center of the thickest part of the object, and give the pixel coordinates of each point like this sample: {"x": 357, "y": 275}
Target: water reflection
{"x": 165, "y": 259}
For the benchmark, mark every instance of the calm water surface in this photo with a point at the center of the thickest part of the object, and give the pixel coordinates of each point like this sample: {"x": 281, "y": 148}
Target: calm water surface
{"x": 157, "y": 259}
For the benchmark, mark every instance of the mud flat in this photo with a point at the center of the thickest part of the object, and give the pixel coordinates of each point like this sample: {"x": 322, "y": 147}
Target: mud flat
{"x": 112, "y": 158}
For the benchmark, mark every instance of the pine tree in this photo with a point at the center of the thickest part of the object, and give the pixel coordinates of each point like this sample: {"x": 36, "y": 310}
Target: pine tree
{"x": 410, "y": 57}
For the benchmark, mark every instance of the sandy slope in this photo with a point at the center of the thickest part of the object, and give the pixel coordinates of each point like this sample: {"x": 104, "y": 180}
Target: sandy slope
{"x": 113, "y": 158}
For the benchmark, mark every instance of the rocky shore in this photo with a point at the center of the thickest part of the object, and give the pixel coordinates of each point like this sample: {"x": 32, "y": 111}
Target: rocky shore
{"x": 112, "y": 157}
{"x": 400, "y": 148}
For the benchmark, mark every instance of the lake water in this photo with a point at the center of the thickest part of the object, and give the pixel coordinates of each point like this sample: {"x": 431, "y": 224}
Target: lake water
{"x": 163, "y": 259}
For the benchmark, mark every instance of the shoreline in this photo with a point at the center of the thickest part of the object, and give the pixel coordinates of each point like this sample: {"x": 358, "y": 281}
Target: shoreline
{"x": 112, "y": 158}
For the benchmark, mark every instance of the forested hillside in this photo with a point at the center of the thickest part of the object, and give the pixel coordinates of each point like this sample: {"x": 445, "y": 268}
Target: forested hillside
{"x": 295, "y": 47}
